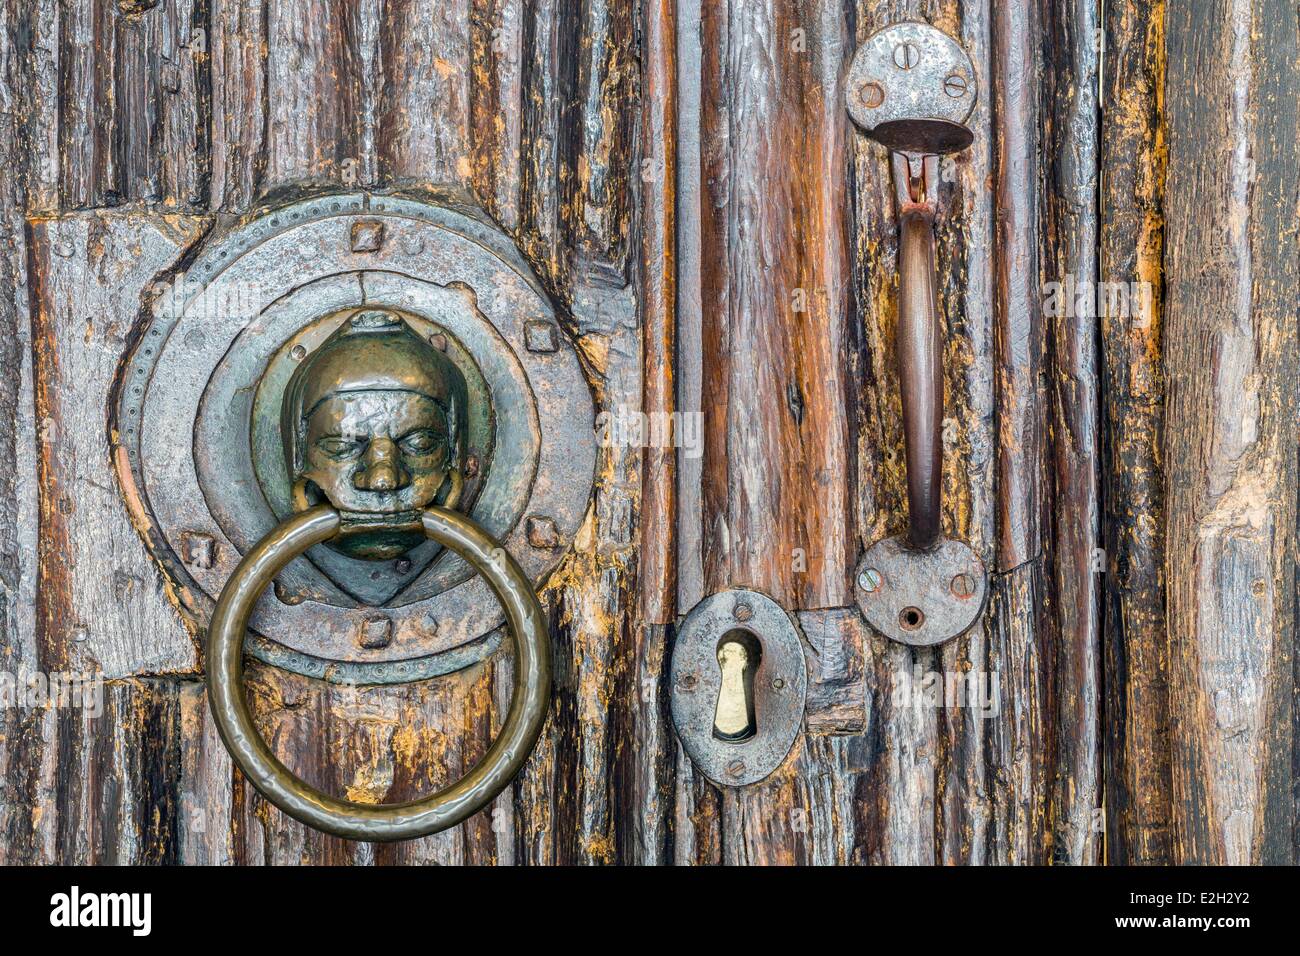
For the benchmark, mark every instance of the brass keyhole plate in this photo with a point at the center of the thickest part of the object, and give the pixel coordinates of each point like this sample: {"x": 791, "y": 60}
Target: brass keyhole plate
{"x": 197, "y": 441}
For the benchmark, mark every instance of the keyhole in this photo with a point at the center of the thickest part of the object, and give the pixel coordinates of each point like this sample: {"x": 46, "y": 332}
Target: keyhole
{"x": 738, "y": 656}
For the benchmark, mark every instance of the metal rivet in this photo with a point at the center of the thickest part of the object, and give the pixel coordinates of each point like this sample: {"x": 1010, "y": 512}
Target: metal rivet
{"x": 471, "y": 466}
{"x": 542, "y": 532}
{"x": 688, "y": 682}
{"x": 869, "y": 580}
{"x": 199, "y": 550}
{"x": 298, "y": 352}
{"x": 402, "y": 566}
{"x": 376, "y": 633}
{"x": 541, "y": 336}
{"x": 778, "y": 684}
{"x": 438, "y": 341}
{"x": 367, "y": 236}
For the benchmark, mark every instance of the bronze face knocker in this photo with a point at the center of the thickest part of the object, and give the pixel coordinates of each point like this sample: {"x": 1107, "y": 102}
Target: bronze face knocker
{"x": 373, "y": 432}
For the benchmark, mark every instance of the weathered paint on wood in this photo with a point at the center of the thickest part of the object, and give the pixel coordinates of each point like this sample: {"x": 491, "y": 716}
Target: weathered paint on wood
{"x": 678, "y": 173}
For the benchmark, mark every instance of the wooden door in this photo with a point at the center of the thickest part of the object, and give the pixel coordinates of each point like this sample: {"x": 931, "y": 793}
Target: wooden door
{"x": 720, "y": 241}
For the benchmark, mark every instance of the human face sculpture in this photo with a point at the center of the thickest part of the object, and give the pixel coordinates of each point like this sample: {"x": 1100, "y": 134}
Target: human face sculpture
{"x": 374, "y": 423}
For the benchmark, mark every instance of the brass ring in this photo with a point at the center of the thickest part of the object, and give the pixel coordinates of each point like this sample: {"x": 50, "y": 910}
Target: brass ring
{"x": 398, "y": 821}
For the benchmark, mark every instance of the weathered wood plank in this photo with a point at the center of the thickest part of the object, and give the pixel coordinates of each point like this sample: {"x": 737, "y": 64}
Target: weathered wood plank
{"x": 237, "y": 77}
{"x": 100, "y": 602}
{"x": 1138, "y": 727}
{"x": 775, "y": 488}
{"x": 129, "y": 105}
{"x": 417, "y": 89}
{"x": 313, "y": 112}
{"x": 548, "y": 155}
{"x": 657, "y": 300}
{"x": 1069, "y": 214}
{"x": 940, "y": 775}
{"x": 496, "y": 107}
{"x": 1230, "y": 432}
{"x": 1022, "y": 624}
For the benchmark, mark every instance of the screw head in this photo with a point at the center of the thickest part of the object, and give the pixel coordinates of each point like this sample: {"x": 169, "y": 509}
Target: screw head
{"x": 955, "y": 85}
{"x": 906, "y": 56}
{"x": 962, "y": 586}
{"x": 743, "y": 612}
{"x": 736, "y": 768}
{"x": 869, "y": 580}
{"x": 298, "y": 352}
{"x": 871, "y": 94}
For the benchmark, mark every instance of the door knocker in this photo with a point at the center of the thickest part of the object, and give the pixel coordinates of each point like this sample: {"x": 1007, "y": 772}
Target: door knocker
{"x": 911, "y": 88}
{"x": 369, "y": 402}
{"x": 373, "y": 432}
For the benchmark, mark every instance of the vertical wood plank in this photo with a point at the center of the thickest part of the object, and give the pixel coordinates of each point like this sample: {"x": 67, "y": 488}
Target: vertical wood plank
{"x": 1070, "y": 257}
{"x": 549, "y": 168}
{"x": 657, "y": 293}
{"x": 237, "y": 79}
{"x": 312, "y": 100}
{"x": 129, "y": 100}
{"x": 496, "y": 105}
{"x": 775, "y": 489}
{"x": 1020, "y": 588}
{"x": 1230, "y": 433}
{"x": 1137, "y": 718}
{"x": 422, "y": 91}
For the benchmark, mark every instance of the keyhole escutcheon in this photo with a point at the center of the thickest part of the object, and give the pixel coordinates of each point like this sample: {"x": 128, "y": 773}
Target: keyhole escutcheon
{"x": 739, "y": 654}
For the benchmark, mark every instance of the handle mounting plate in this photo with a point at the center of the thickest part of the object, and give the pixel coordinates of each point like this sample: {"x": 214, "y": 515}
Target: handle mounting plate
{"x": 911, "y": 87}
{"x": 921, "y": 598}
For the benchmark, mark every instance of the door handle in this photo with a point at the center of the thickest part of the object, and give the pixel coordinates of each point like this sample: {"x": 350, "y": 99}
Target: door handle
{"x": 373, "y": 425}
{"x": 919, "y": 350}
{"x": 911, "y": 88}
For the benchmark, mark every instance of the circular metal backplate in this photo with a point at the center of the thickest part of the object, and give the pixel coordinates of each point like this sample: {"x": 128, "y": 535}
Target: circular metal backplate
{"x": 921, "y": 598}
{"x": 780, "y": 685}
{"x": 912, "y": 87}
{"x": 221, "y": 339}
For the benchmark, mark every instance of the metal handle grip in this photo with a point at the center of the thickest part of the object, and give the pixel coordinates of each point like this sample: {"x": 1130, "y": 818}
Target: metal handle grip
{"x": 358, "y": 821}
{"x": 919, "y": 351}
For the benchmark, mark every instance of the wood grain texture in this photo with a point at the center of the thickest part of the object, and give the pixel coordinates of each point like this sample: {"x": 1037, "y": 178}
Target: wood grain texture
{"x": 1230, "y": 430}
{"x": 1131, "y": 241}
{"x": 776, "y": 486}
{"x": 718, "y": 238}
{"x": 100, "y": 603}
{"x": 657, "y": 283}
{"x": 1070, "y": 253}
